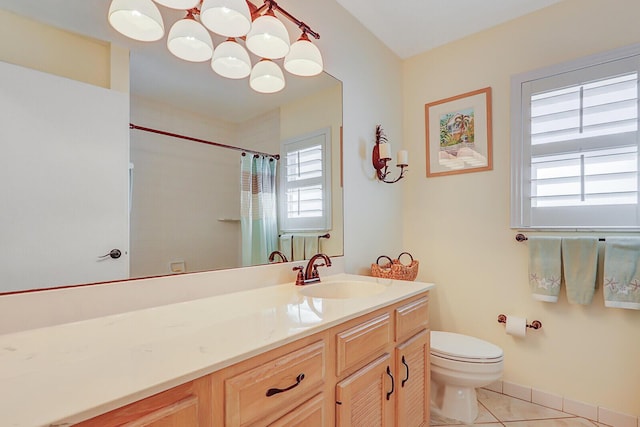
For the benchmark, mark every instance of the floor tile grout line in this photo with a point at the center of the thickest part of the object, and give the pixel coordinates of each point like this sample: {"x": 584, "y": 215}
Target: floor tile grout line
{"x": 506, "y": 423}
{"x": 487, "y": 409}
{"x": 568, "y": 415}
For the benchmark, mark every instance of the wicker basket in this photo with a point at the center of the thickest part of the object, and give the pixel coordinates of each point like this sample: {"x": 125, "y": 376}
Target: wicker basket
{"x": 395, "y": 269}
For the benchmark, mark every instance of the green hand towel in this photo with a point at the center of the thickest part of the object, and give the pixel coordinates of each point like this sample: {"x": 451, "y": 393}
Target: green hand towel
{"x": 545, "y": 268}
{"x": 580, "y": 263}
{"x": 622, "y": 272}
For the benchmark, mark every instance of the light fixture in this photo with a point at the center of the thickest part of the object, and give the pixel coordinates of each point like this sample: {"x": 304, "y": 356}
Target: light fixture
{"x": 268, "y": 37}
{"x": 188, "y": 39}
{"x": 382, "y": 154}
{"x": 231, "y": 60}
{"x": 229, "y": 18}
{"x": 266, "y": 77}
{"x": 136, "y": 19}
{"x": 179, "y": 4}
{"x": 304, "y": 58}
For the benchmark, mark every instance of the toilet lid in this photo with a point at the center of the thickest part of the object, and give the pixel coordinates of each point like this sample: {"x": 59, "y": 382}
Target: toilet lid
{"x": 463, "y": 347}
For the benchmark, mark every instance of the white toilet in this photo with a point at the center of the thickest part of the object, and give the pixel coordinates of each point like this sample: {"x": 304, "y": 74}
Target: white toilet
{"x": 459, "y": 365}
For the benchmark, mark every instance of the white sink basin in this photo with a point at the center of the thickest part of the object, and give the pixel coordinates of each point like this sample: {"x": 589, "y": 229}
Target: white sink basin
{"x": 342, "y": 289}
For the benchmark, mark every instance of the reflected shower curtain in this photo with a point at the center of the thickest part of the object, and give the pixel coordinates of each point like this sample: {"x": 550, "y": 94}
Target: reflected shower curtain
{"x": 258, "y": 218}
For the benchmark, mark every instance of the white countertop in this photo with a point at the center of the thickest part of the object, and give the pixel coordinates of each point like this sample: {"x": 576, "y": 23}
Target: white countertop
{"x": 67, "y": 373}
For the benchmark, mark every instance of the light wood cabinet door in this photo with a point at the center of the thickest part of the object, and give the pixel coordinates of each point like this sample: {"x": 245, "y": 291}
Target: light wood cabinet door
{"x": 179, "y": 414}
{"x": 412, "y": 368}
{"x": 187, "y": 405}
{"x": 309, "y": 414}
{"x": 365, "y": 398}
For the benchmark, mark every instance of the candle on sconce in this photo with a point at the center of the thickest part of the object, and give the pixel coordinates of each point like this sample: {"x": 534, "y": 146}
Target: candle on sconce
{"x": 384, "y": 150}
{"x": 403, "y": 157}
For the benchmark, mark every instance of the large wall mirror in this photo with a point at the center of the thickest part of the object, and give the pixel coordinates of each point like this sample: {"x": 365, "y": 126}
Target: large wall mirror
{"x": 180, "y": 199}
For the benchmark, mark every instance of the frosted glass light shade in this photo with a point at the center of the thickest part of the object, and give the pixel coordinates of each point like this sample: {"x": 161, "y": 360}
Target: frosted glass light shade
{"x": 304, "y": 58}
{"x": 190, "y": 41}
{"x": 231, "y": 60}
{"x": 266, "y": 77}
{"x": 179, "y": 4}
{"x": 268, "y": 37}
{"x": 136, "y": 19}
{"x": 229, "y": 18}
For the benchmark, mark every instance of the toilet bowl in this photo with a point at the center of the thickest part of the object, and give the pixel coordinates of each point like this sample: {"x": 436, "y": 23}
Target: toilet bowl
{"x": 459, "y": 365}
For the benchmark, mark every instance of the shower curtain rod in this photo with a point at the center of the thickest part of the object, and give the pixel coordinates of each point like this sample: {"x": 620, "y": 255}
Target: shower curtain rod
{"x": 203, "y": 141}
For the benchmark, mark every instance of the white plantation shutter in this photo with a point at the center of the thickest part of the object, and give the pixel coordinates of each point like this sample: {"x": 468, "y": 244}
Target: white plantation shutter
{"x": 305, "y": 183}
{"x": 575, "y": 147}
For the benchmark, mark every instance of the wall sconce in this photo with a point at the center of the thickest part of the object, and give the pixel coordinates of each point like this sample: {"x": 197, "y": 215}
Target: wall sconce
{"x": 382, "y": 154}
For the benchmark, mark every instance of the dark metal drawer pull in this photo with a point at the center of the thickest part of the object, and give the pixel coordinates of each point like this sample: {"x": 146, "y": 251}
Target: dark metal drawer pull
{"x": 273, "y": 391}
{"x": 404, "y": 362}
{"x": 393, "y": 383}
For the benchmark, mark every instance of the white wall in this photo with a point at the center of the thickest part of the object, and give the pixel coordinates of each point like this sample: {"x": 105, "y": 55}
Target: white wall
{"x": 314, "y": 112}
{"x": 458, "y": 226}
{"x": 261, "y": 133}
{"x": 181, "y": 189}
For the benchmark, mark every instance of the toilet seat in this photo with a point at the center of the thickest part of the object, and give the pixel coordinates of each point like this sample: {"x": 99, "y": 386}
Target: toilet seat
{"x": 463, "y": 348}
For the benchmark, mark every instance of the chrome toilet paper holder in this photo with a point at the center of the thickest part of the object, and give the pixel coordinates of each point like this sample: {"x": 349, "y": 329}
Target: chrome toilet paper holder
{"x": 536, "y": 324}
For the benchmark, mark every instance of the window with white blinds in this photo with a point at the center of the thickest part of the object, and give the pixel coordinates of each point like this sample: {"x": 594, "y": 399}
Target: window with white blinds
{"x": 305, "y": 202}
{"x": 575, "y": 145}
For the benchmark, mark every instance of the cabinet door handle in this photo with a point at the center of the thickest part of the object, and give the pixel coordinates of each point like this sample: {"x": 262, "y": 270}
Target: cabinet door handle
{"x": 393, "y": 383}
{"x": 404, "y": 362}
{"x": 273, "y": 391}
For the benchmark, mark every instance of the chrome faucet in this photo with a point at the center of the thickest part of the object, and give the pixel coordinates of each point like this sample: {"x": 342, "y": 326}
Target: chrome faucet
{"x": 272, "y": 256}
{"x": 309, "y": 274}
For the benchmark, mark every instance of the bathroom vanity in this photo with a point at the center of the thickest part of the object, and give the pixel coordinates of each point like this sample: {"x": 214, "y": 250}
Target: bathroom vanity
{"x": 283, "y": 355}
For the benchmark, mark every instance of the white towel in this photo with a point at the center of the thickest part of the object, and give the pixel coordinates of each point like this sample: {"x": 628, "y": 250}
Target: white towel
{"x": 310, "y": 246}
{"x": 622, "y": 272}
{"x": 298, "y": 248}
{"x": 286, "y": 246}
{"x": 545, "y": 268}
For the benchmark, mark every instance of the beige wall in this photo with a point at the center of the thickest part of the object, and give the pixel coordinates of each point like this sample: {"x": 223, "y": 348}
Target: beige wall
{"x": 48, "y": 49}
{"x": 458, "y": 226}
{"x": 310, "y": 114}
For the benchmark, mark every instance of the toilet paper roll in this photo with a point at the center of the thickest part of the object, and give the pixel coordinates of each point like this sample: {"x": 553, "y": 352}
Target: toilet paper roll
{"x": 516, "y": 326}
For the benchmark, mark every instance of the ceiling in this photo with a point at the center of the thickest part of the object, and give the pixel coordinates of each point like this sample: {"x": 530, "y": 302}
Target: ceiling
{"x": 407, "y": 27}
{"x": 410, "y": 27}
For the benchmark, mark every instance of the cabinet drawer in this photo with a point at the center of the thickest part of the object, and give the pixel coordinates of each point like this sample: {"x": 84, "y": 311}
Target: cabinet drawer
{"x": 309, "y": 414}
{"x": 411, "y": 318}
{"x": 270, "y": 390}
{"x": 363, "y": 342}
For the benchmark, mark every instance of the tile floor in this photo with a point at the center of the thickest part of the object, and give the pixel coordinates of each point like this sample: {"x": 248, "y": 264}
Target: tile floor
{"x": 497, "y": 409}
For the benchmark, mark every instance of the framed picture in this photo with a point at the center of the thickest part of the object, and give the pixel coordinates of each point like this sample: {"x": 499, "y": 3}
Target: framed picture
{"x": 458, "y": 134}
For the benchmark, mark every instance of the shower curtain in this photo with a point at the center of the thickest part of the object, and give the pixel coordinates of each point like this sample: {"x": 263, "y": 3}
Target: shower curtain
{"x": 258, "y": 217}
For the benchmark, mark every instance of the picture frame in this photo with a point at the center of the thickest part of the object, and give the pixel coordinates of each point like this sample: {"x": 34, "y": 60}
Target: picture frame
{"x": 458, "y": 134}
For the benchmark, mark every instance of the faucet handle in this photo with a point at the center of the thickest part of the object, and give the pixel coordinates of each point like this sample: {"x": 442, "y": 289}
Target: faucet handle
{"x": 300, "y": 276}
{"x": 314, "y": 271}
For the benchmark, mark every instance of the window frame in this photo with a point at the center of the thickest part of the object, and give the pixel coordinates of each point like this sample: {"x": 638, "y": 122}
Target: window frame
{"x": 322, "y": 223}
{"x": 521, "y": 151}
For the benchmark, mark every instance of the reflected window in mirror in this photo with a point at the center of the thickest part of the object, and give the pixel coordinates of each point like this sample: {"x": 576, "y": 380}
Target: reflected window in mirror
{"x": 305, "y": 202}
